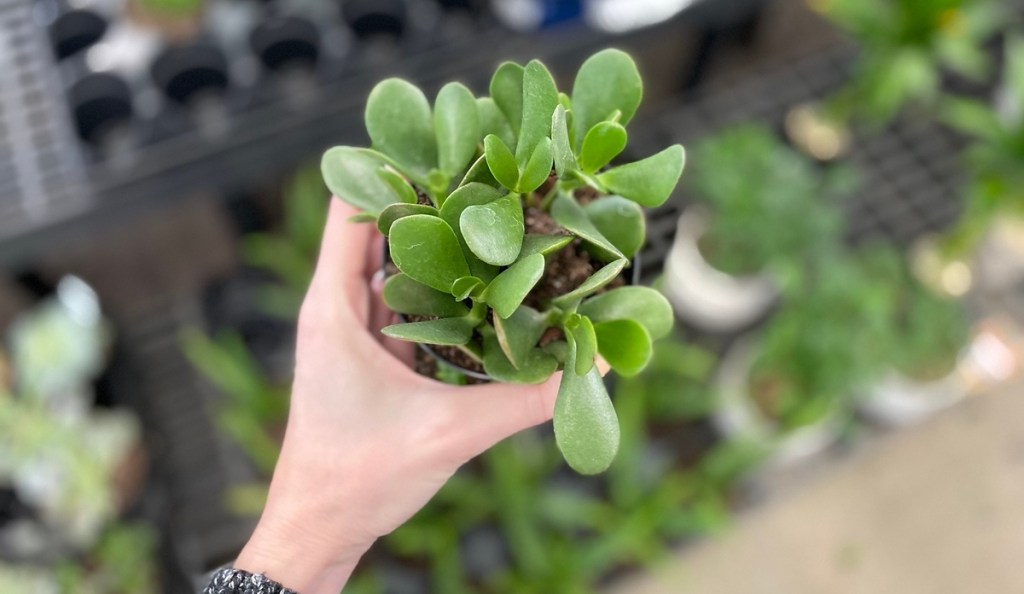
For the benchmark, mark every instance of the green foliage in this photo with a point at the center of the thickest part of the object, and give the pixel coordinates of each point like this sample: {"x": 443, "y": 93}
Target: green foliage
{"x": 996, "y": 177}
{"x": 481, "y": 162}
{"x": 905, "y": 47}
{"x": 824, "y": 343}
{"x": 775, "y": 214}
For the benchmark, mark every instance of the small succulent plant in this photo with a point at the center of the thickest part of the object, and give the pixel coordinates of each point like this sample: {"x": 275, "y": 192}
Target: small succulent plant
{"x": 455, "y": 188}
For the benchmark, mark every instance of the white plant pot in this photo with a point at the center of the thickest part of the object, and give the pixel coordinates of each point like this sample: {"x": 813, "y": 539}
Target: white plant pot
{"x": 737, "y": 416}
{"x": 898, "y": 401}
{"x": 705, "y": 296}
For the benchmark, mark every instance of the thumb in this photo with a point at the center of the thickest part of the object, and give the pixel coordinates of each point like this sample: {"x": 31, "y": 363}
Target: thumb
{"x": 496, "y": 411}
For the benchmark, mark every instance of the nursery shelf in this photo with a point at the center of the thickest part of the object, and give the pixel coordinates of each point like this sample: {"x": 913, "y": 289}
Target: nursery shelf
{"x": 53, "y": 181}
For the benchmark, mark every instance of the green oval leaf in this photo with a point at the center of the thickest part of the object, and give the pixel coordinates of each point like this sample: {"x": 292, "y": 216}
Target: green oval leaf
{"x": 447, "y": 331}
{"x": 603, "y": 143}
{"x": 402, "y": 189}
{"x": 650, "y": 181}
{"x": 582, "y": 331}
{"x": 518, "y": 334}
{"x": 507, "y": 92}
{"x": 586, "y": 427}
{"x": 597, "y": 280}
{"x": 534, "y": 243}
{"x": 457, "y": 128}
{"x": 471, "y": 194}
{"x": 625, "y": 345}
{"x": 494, "y": 231}
{"x": 537, "y": 169}
{"x": 606, "y": 82}
{"x": 464, "y": 287}
{"x": 535, "y": 367}
{"x": 396, "y": 211}
{"x": 352, "y": 174}
{"x": 501, "y": 162}
{"x": 399, "y": 124}
{"x": 506, "y": 292}
{"x": 480, "y": 172}
{"x": 569, "y": 214}
{"x": 425, "y": 248}
{"x": 405, "y": 296}
{"x": 561, "y": 146}
{"x": 493, "y": 121}
{"x": 620, "y": 221}
{"x": 643, "y": 305}
{"x": 540, "y": 97}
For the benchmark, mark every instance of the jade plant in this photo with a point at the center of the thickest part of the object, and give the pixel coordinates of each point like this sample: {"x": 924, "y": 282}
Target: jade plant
{"x": 781, "y": 209}
{"x": 906, "y": 46}
{"x": 484, "y": 232}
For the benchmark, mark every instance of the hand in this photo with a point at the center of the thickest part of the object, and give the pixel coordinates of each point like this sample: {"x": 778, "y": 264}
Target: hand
{"x": 368, "y": 441}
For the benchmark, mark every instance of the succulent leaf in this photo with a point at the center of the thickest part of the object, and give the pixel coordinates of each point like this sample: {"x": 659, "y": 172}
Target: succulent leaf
{"x": 466, "y": 286}
{"x": 602, "y": 143}
{"x": 518, "y": 335}
{"x": 599, "y": 279}
{"x": 501, "y": 162}
{"x": 446, "y": 331}
{"x": 620, "y": 221}
{"x": 625, "y": 345}
{"x": 537, "y": 169}
{"x": 586, "y": 427}
{"x": 405, "y": 296}
{"x": 643, "y": 305}
{"x": 582, "y": 331}
{"x": 606, "y": 82}
{"x": 405, "y": 192}
{"x": 400, "y": 126}
{"x": 494, "y": 231}
{"x": 426, "y": 249}
{"x": 534, "y": 243}
{"x": 507, "y": 92}
{"x": 561, "y": 146}
{"x": 493, "y": 121}
{"x": 396, "y": 211}
{"x": 536, "y": 366}
{"x": 352, "y": 175}
{"x": 457, "y": 128}
{"x": 569, "y": 214}
{"x": 650, "y": 181}
{"x": 506, "y": 292}
{"x": 540, "y": 97}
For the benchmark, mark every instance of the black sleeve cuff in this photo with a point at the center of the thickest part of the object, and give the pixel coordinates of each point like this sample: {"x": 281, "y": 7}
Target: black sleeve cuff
{"x": 236, "y": 581}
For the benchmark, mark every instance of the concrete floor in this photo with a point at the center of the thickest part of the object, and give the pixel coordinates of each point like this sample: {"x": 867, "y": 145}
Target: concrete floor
{"x": 934, "y": 509}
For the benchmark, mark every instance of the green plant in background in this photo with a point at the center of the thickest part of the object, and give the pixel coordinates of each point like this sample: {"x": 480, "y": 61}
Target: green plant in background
{"x": 823, "y": 343}
{"x": 466, "y": 258}
{"x": 771, "y": 207}
{"x": 254, "y": 411}
{"x": 925, "y": 332}
{"x": 995, "y": 162}
{"x": 906, "y": 45}
{"x": 173, "y": 8}
{"x": 61, "y": 457}
{"x": 290, "y": 254}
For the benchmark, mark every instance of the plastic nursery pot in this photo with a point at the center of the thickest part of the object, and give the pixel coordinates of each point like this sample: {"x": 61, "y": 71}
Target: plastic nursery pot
{"x": 737, "y": 416}
{"x": 633, "y": 278}
{"x": 76, "y": 30}
{"x": 187, "y": 72}
{"x": 705, "y": 296}
{"x": 898, "y": 400}
{"x": 376, "y": 18}
{"x": 286, "y": 43}
{"x": 101, "y": 103}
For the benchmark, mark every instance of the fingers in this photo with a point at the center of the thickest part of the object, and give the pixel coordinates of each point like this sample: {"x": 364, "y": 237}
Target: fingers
{"x": 381, "y": 316}
{"x": 340, "y": 269}
{"x": 496, "y": 411}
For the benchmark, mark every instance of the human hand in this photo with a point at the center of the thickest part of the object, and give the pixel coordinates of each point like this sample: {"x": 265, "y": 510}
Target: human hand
{"x": 368, "y": 441}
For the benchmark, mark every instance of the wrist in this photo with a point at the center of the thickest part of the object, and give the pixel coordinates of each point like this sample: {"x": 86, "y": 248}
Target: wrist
{"x": 289, "y": 555}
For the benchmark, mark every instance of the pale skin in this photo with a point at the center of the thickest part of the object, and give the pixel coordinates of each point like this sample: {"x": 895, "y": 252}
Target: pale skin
{"x": 369, "y": 441}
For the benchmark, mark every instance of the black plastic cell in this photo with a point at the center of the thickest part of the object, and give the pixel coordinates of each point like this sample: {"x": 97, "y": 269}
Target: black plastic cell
{"x": 99, "y": 101}
{"x": 287, "y": 42}
{"x": 182, "y": 72}
{"x": 76, "y": 30}
{"x": 372, "y": 18}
